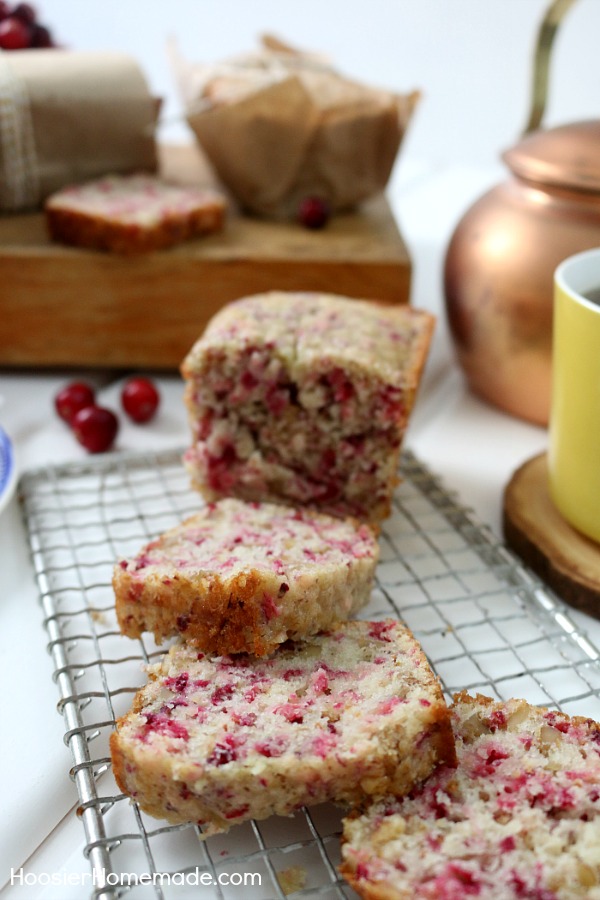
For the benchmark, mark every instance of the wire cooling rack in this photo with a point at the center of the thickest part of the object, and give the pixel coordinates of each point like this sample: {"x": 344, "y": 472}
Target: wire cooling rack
{"x": 485, "y": 622}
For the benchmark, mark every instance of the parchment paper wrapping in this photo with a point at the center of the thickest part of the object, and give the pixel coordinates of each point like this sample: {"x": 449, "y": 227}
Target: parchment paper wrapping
{"x": 281, "y": 125}
{"x": 69, "y": 116}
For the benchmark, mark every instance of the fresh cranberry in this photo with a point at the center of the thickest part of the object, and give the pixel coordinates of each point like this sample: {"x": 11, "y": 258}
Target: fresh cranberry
{"x": 314, "y": 212}
{"x": 95, "y": 428}
{"x": 75, "y": 396}
{"x": 4, "y": 10}
{"x": 41, "y": 37}
{"x": 14, "y": 34}
{"x": 25, "y": 12}
{"x": 140, "y": 399}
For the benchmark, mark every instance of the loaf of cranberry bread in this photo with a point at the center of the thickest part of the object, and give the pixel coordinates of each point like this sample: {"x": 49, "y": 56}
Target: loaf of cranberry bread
{"x": 132, "y": 213}
{"x": 519, "y": 817}
{"x": 343, "y": 716}
{"x": 245, "y": 577}
{"x": 304, "y": 398}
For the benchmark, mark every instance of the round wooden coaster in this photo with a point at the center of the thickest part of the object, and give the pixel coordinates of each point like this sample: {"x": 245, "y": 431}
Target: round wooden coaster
{"x": 565, "y": 559}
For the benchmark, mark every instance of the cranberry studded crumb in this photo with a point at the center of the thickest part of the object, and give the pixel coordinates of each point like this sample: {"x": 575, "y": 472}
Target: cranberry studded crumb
{"x": 304, "y": 398}
{"x": 276, "y": 571}
{"x": 317, "y": 720}
{"x": 517, "y": 819}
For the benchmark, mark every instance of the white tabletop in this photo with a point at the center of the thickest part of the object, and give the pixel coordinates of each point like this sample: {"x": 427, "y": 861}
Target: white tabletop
{"x": 472, "y": 446}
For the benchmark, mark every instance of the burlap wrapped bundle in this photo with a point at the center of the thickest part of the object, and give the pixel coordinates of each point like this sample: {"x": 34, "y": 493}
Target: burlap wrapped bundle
{"x": 67, "y": 117}
{"x": 281, "y": 125}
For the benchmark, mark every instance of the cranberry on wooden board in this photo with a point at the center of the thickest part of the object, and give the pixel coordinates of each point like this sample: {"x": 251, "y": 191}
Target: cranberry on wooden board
{"x": 95, "y": 428}
{"x": 314, "y": 212}
{"x": 140, "y": 399}
{"x": 73, "y": 397}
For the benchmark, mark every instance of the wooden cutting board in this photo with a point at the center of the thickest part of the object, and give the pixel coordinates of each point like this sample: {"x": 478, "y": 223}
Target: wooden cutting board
{"x": 65, "y": 306}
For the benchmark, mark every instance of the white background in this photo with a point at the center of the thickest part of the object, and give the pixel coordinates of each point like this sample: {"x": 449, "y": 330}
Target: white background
{"x": 472, "y": 59}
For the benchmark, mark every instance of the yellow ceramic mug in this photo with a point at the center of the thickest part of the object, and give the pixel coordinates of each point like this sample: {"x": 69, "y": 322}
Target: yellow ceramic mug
{"x": 574, "y": 453}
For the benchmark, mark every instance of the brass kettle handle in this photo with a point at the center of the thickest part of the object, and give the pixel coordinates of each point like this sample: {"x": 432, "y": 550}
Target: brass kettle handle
{"x": 547, "y": 32}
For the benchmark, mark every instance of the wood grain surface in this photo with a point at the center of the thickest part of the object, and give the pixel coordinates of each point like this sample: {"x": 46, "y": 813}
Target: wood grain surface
{"x": 67, "y": 306}
{"x": 566, "y": 560}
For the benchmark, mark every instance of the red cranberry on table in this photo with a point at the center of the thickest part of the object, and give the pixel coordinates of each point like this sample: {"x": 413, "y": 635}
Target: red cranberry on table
{"x": 314, "y": 212}
{"x": 25, "y": 12}
{"x": 140, "y": 399}
{"x": 14, "y": 34}
{"x": 20, "y": 29}
{"x": 95, "y": 428}
{"x": 73, "y": 397}
{"x": 41, "y": 37}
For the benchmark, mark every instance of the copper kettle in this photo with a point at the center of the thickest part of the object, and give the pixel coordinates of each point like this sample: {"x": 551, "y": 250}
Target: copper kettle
{"x": 501, "y": 258}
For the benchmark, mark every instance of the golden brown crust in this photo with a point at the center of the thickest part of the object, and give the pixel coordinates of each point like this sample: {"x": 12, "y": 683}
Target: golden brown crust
{"x": 252, "y": 611}
{"x": 118, "y": 760}
{"x": 219, "y": 619}
{"x": 482, "y": 700}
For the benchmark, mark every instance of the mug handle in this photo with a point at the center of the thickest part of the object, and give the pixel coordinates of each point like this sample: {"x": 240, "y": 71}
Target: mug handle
{"x": 541, "y": 63}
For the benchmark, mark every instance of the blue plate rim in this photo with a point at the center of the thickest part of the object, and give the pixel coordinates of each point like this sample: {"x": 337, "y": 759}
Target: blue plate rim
{"x": 7, "y": 467}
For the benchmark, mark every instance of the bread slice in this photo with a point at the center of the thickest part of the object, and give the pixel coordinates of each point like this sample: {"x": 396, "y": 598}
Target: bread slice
{"x": 346, "y": 715}
{"x": 304, "y": 398}
{"x": 518, "y": 818}
{"x": 245, "y": 577}
{"x": 132, "y": 213}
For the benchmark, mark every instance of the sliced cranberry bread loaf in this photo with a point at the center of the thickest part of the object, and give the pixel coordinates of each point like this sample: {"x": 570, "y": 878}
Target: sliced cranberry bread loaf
{"x": 343, "y": 716}
{"x": 245, "y": 577}
{"x": 519, "y": 817}
{"x": 132, "y": 213}
{"x": 304, "y": 398}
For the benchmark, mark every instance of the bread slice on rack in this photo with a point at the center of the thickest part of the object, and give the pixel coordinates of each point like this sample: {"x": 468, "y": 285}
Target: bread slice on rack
{"x": 518, "y": 818}
{"x": 304, "y": 398}
{"x": 245, "y": 577}
{"x": 343, "y": 716}
{"x": 132, "y": 213}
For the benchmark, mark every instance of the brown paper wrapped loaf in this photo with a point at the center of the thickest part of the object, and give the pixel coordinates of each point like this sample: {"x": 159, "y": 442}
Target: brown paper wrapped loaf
{"x": 281, "y": 125}
{"x": 68, "y": 117}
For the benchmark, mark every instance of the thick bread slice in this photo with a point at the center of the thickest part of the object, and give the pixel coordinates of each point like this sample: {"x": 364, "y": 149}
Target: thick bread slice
{"x": 519, "y": 817}
{"x": 344, "y": 716}
{"x": 132, "y": 213}
{"x": 245, "y": 577}
{"x": 304, "y": 398}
